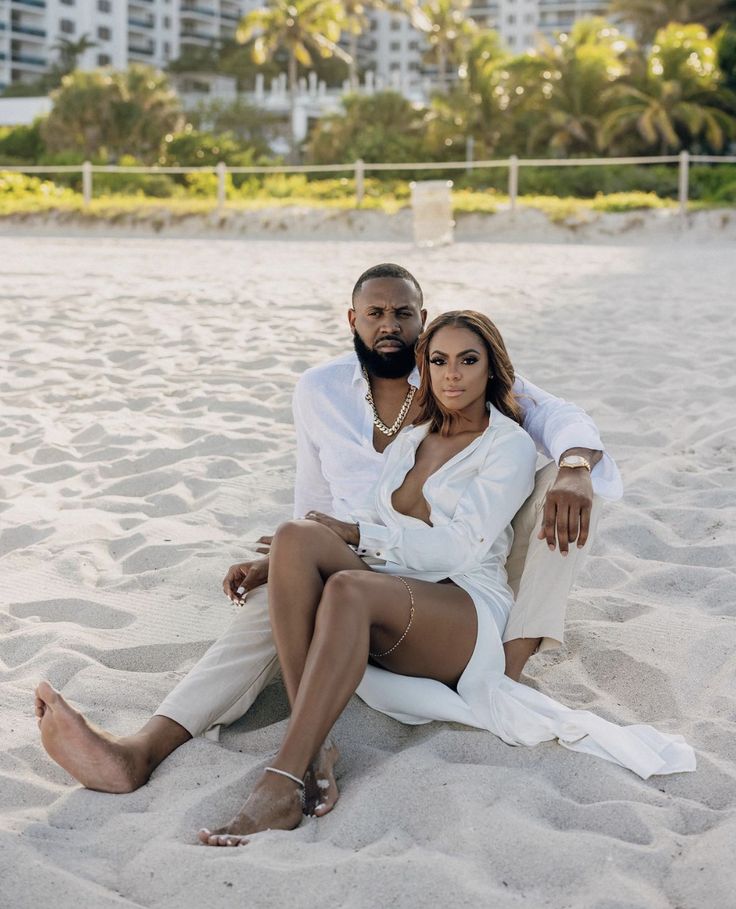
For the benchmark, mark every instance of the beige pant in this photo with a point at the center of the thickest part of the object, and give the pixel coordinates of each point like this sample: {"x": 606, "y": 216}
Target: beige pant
{"x": 237, "y": 667}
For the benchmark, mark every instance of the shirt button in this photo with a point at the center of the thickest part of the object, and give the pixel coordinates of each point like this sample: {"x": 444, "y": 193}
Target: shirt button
{"x": 481, "y": 540}
{"x": 378, "y": 553}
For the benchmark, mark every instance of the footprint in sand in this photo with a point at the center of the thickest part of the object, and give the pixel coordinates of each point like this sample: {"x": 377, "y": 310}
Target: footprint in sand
{"x": 81, "y": 612}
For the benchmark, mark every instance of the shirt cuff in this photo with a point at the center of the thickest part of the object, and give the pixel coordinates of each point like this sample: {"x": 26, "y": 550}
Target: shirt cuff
{"x": 374, "y": 540}
{"x": 605, "y": 476}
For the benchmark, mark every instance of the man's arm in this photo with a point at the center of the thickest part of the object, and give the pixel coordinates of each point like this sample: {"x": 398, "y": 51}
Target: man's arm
{"x": 311, "y": 490}
{"x": 561, "y": 430}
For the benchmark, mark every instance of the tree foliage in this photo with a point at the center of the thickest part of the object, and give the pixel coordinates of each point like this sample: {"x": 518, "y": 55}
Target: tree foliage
{"x": 106, "y": 114}
{"x": 649, "y": 16}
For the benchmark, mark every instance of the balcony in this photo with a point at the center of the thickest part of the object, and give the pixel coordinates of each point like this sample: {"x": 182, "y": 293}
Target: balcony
{"x": 27, "y": 60}
{"x": 27, "y": 30}
{"x": 140, "y": 51}
{"x": 141, "y": 24}
{"x": 36, "y": 4}
{"x": 187, "y": 12}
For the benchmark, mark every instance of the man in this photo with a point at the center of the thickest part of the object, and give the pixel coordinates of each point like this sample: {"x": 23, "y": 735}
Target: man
{"x": 346, "y": 413}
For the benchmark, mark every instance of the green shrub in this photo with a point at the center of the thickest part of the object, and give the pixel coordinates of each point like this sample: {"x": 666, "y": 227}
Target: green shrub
{"x": 21, "y": 144}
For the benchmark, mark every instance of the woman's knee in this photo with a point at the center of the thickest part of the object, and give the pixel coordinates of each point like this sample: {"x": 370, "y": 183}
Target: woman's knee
{"x": 345, "y": 590}
{"x": 296, "y": 534}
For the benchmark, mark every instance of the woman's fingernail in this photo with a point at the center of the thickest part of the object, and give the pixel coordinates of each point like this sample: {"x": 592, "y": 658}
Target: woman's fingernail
{"x": 240, "y": 590}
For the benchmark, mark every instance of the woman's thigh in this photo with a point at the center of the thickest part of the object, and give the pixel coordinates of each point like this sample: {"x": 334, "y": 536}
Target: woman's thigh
{"x": 443, "y": 631}
{"x": 302, "y": 543}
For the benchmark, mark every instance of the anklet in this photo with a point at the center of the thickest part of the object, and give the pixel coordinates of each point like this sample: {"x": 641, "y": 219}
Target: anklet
{"x": 288, "y": 775}
{"x": 406, "y": 630}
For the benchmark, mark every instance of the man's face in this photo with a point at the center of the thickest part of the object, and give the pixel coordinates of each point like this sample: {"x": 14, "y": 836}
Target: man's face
{"x": 386, "y": 320}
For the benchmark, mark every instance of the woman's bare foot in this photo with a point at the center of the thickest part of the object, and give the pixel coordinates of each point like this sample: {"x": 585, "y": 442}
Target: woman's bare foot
{"x": 92, "y": 756}
{"x": 320, "y": 787}
{"x": 274, "y": 804}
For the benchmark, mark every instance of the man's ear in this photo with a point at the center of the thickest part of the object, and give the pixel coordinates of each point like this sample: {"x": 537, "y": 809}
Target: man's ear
{"x": 424, "y": 317}
{"x": 351, "y": 319}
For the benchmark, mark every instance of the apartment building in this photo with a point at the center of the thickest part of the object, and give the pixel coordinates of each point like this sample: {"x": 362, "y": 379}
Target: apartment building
{"x": 156, "y": 31}
{"x": 396, "y": 50}
{"x": 123, "y": 31}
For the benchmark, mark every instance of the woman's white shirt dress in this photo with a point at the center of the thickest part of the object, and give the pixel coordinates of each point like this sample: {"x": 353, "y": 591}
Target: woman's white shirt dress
{"x": 472, "y": 499}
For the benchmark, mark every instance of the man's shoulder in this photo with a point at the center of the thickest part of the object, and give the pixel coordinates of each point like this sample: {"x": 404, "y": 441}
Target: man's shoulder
{"x": 338, "y": 370}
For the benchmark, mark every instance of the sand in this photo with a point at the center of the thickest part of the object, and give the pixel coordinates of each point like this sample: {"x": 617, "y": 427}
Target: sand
{"x": 146, "y": 442}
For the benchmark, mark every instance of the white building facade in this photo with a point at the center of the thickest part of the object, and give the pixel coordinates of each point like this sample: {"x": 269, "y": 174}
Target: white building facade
{"x": 123, "y": 31}
{"x": 157, "y": 31}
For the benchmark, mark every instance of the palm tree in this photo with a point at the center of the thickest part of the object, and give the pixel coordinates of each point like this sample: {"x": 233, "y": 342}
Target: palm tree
{"x": 299, "y": 27}
{"x": 680, "y": 100}
{"x": 648, "y": 16}
{"x": 575, "y": 74}
{"x": 70, "y": 51}
{"x": 448, "y": 31}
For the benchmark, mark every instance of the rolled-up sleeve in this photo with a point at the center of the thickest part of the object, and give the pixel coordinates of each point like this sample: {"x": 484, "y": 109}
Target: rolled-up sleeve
{"x": 311, "y": 490}
{"x": 556, "y": 425}
{"x": 485, "y": 509}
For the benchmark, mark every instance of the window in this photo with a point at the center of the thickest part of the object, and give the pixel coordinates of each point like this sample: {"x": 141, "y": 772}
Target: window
{"x": 413, "y": 45}
{"x": 395, "y": 25}
{"x": 103, "y": 60}
{"x": 167, "y": 50}
{"x": 511, "y": 19}
{"x": 395, "y": 66}
{"x": 67, "y": 2}
{"x": 104, "y": 33}
{"x": 67, "y": 26}
{"x": 395, "y": 45}
{"x": 167, "y": 22}
{"x": 104, "y": 6}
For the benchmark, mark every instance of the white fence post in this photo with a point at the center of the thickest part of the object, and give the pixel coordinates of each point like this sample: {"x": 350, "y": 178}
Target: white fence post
{"x": 684, "y": 181}
{"x": 221, "y": 189}
{"x": 359, "y": 182}
{"x": 87, "y": 182}
{"x": 513, "y": 181}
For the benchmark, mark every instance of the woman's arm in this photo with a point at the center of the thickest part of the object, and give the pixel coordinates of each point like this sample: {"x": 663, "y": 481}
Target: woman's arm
{"x": 485, "y": 509}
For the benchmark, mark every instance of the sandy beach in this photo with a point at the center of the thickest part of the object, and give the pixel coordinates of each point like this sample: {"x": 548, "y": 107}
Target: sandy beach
{"x": 146, "y": 443}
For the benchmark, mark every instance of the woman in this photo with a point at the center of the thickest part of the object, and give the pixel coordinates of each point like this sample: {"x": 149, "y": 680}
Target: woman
{"x": 419, "y": 636}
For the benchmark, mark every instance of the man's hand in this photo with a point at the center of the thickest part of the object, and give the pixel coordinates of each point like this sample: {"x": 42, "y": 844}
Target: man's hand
{"x": 244, "y": 576}
{"x": 567, "y": 509}
{"x": 347, "y": 532}
{"x": 264, "y": 545}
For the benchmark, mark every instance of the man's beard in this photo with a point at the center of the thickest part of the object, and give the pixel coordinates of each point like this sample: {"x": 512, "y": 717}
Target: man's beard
{"x": 395, "y": 364}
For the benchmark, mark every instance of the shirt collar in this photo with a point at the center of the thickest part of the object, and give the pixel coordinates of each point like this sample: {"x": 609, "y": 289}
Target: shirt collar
{"x": 413, "y": 378}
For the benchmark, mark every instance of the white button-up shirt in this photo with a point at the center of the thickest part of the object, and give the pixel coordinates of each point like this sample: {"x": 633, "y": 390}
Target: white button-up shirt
{"x": 337, "y": 466}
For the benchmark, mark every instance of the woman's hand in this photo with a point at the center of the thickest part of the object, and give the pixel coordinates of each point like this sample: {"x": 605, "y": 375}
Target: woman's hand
{"x": 347, "y": 532}
{"x": 243, "y": 577}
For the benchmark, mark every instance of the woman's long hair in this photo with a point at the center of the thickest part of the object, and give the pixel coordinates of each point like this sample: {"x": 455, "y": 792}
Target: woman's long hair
{"x": 498, "y": 389}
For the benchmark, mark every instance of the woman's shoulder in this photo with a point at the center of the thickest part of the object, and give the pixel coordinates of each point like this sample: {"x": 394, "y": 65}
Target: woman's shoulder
{"x": 507, "y": 432}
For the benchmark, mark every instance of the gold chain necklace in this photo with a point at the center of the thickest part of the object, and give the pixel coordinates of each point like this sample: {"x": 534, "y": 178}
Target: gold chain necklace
{"x": 377, "y": 421}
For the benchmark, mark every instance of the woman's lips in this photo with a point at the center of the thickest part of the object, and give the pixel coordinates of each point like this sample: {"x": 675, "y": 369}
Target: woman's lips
{"x": 453, "y": 392}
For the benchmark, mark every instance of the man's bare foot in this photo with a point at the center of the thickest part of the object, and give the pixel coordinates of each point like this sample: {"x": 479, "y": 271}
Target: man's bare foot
{"x": 320, "y": 787}
{"x": 274, "y": 804}
{"x": 92, "y": 756}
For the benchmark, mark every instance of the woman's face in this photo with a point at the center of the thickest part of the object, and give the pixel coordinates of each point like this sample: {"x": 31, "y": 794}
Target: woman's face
{"x": 458, "y": 367}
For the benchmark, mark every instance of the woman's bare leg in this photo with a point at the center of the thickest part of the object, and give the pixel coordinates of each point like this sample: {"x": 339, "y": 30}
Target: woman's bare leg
{"x": 358, "y": 612}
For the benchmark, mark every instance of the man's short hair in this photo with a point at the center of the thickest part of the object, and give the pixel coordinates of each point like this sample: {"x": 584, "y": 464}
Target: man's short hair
{"x": 387, "y": 270}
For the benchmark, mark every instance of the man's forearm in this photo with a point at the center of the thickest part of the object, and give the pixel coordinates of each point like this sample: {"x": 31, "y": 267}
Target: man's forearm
{"x": 590, "y": 454}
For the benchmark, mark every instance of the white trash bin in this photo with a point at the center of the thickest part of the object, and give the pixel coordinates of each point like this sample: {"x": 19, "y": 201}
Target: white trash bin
{"x": 431, "y": 203}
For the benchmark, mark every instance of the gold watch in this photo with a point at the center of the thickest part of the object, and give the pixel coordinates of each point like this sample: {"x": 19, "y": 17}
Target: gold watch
{"x": 575, "y": 461}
